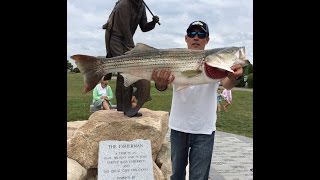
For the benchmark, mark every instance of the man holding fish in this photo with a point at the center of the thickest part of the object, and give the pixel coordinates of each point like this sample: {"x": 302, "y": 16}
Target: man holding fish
{"x": 193, "y": 117}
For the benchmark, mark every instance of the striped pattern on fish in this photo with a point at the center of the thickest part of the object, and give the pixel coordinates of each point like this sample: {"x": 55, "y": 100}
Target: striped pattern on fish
{"x": 188, "y": 66}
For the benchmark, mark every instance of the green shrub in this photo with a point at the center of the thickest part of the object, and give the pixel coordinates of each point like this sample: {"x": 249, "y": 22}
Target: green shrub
{"x": 241, "y": 83}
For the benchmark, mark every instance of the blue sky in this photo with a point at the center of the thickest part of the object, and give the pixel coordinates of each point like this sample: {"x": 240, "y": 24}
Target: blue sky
{"x": 230, "y": 23}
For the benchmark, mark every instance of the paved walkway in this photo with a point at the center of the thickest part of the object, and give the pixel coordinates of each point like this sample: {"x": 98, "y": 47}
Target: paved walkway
{"x": 232, "y": 157}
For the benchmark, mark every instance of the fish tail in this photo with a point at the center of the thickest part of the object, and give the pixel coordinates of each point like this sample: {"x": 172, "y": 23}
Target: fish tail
{"x": 245, "y": 62}
{"x": 89, "y": 68}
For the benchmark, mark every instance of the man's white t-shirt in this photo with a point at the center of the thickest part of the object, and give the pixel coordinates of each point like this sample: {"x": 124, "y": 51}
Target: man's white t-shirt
{"x": 193, "y": 109}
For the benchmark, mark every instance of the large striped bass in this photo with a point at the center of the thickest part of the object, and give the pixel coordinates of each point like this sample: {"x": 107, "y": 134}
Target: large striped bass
{"x": 189, "y": 66}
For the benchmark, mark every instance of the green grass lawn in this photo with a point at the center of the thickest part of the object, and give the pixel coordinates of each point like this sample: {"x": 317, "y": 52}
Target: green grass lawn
{"x": 237, "y": 120}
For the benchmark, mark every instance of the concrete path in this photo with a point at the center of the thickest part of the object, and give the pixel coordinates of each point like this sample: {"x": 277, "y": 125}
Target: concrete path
{"x": 232, "y": 157}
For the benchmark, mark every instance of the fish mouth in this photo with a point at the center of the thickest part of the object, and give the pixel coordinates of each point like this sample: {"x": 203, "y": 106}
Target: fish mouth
{"x": 215, "y": 72}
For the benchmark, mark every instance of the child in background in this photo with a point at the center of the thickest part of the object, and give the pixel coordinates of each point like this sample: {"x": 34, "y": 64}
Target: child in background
{"x": 227, "y": 97}
{"x": 219, "y": 98}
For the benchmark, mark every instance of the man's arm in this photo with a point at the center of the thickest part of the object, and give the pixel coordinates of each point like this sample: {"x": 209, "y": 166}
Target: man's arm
{"x": 146, "y": 26}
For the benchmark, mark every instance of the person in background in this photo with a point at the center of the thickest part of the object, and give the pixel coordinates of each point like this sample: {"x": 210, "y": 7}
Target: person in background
{"x": 227, "y": 94}
{"x": 120, "y": 28}
{"x": 192, "y": 120}
{"x": 102, "y": 95}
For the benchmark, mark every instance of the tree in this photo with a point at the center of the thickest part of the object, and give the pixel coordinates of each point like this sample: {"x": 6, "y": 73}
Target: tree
{"x": 248, "y": 69}
{"x": 242, "y": 83}
{"x": 69, "y": 66}
{"x": 250, "y": 80}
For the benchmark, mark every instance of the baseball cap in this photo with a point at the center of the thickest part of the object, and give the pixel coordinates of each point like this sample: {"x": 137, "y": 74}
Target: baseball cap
{"x": 200, "y": 24}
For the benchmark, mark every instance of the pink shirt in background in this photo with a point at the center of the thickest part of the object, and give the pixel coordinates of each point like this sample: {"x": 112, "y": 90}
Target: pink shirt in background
{"x": 227, "y": 95}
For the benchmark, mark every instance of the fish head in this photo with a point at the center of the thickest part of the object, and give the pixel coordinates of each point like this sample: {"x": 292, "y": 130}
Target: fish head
{"x": 218, "y": 61}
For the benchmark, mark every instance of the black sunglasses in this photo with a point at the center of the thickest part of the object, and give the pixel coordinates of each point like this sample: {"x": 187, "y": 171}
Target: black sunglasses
{"x": 201, "y": 35}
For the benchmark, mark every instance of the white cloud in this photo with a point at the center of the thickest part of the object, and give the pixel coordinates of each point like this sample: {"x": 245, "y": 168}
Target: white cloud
{"x": 230, "y": 24}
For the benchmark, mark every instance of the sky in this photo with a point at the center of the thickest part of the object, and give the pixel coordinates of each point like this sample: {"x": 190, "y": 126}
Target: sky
{"x": 230, "y": 24}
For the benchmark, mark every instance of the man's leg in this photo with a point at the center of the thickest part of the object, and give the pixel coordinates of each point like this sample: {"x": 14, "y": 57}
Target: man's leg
{"x": 124, "y": 96}
{"x": 142, "y": 94}
{"x": 179, "y": 154}
{"x": 200, "y": 155}
{"x": 117, "y": 49}
{"x": 119, "y": 92}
